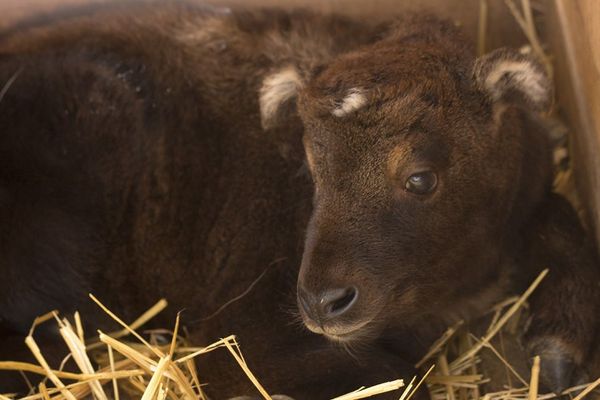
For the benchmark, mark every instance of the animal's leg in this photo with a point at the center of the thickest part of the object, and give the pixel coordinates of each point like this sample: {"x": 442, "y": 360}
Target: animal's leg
{"x": 565, "y": 308}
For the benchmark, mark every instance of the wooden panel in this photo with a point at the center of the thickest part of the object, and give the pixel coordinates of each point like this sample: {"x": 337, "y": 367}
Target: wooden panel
{"x": 575, "y": 40}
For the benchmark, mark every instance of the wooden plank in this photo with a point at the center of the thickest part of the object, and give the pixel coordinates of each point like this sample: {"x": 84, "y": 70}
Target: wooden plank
{"x": 574, "y": 35}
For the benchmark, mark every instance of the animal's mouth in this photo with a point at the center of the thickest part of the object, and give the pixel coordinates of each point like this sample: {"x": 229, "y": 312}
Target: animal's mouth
{"x": 341, "y": 332}
{"x": 344, "y": 337}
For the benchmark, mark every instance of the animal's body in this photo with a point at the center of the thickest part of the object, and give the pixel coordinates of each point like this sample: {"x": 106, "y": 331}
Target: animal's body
{"x": 151, "y": 152}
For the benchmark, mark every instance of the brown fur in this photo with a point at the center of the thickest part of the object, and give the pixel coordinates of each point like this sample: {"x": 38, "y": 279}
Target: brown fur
{"x": 133, "y": 165}
{"x": 451, "y": 254}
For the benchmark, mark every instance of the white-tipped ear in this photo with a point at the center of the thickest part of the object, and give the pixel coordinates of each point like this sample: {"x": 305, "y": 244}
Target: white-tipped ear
{"x": 277, "y": 89}
{"x": 354, "y": 100}
{"x": 507, "y": 75}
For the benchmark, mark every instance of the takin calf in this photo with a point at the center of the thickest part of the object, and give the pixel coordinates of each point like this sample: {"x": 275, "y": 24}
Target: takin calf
{"x": 173, "y": 150}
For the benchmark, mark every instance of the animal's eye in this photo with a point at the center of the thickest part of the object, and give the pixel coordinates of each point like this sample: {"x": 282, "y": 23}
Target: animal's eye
{"x": 421, "y": 182}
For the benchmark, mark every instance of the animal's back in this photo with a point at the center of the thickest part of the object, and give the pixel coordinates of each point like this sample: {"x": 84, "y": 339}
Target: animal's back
{"x": 134, "y": 166}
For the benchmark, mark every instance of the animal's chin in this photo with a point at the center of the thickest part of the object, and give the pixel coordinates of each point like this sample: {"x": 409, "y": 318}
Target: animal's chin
{"x": 344, "y": 333}
{"x": 349, "y": 337}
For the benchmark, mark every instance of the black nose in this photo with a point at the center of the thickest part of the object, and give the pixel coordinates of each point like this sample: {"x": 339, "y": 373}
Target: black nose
{"x": 329, "y": 304}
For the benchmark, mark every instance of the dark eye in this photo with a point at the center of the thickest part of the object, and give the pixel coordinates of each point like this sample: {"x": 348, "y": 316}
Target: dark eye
{"x": 421, "y": 182}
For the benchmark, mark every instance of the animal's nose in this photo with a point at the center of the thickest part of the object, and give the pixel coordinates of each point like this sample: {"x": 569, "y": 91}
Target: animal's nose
{"x": 329, "y": 304}
{"x": 336, "y": 302}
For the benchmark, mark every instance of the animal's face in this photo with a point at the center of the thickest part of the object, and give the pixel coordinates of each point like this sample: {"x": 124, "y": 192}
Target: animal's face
{"x": 416, "y": 173}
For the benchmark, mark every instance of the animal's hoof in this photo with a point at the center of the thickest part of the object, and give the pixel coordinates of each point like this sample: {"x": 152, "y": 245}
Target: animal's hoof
{"x": 559, "y": 365}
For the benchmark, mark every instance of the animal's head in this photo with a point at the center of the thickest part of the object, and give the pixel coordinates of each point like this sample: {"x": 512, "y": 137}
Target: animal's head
{"x": 418, "y": 154}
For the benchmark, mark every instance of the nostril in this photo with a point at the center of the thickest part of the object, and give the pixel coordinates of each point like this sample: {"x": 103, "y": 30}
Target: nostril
{"x": 337, "y": 301}
{"x": 344, "y": 302}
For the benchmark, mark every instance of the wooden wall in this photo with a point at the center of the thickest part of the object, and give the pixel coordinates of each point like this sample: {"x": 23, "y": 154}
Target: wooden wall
{"x": 575, "y": 43}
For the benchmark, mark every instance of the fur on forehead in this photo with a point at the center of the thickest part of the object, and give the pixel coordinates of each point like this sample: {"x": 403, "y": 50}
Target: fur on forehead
{"x": 354, "y": 100}
{"x": 384, "y": 73}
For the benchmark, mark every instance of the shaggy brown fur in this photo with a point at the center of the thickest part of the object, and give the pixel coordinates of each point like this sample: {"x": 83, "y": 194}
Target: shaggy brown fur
{"x": 487, "y": 228}
{"x": 134, "y": 165}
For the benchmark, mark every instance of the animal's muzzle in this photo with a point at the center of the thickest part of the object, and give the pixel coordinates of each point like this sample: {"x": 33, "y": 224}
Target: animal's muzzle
{"x": 328, "y": 305}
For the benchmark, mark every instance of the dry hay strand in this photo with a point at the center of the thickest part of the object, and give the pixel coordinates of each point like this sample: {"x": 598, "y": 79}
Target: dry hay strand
{"x": 150, "y": 368}
{"x": 139, "y": 369}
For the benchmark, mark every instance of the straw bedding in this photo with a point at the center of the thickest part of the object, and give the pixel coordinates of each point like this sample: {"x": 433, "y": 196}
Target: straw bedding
{"x": 161, "y": 364}
{"x": 467, "y": 362}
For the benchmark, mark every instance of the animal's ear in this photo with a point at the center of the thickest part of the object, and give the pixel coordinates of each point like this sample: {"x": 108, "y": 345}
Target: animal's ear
{"x": 509, "y": 76}
{"x": 277, "y": 90}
